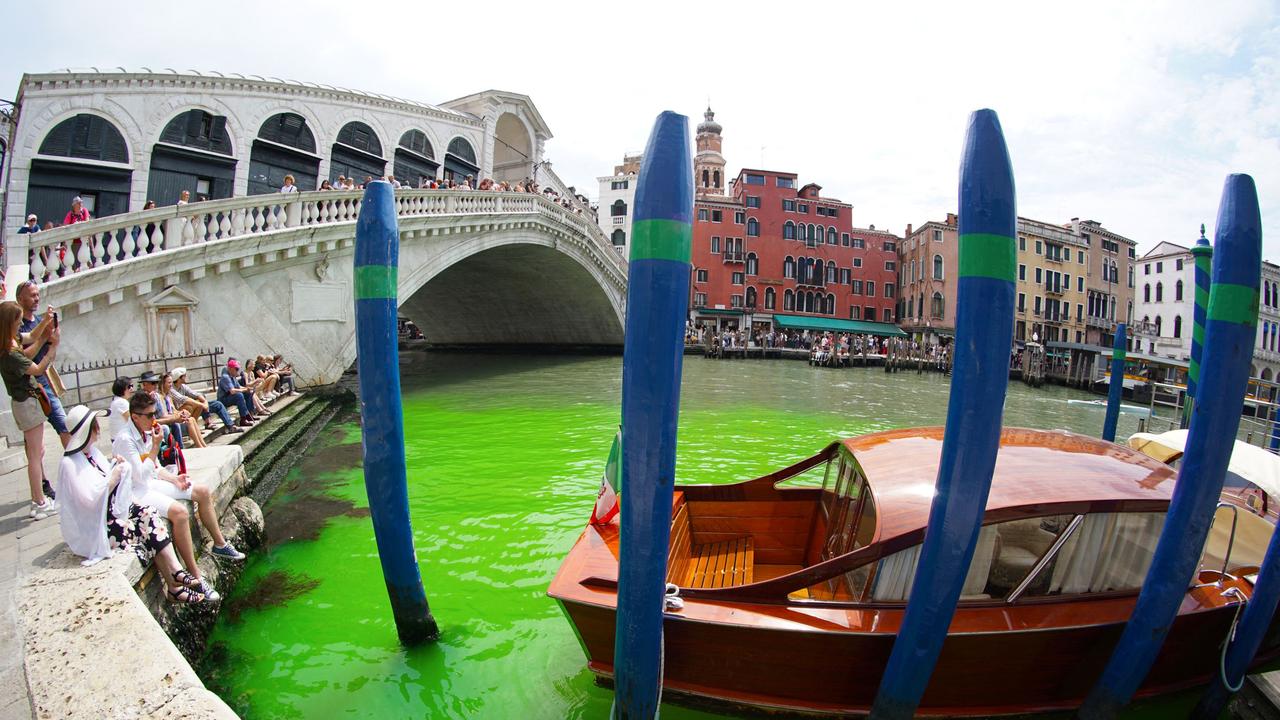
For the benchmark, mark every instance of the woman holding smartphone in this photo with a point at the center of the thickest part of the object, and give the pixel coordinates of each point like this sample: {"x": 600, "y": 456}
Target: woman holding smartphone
{"x": 19, "y": 373}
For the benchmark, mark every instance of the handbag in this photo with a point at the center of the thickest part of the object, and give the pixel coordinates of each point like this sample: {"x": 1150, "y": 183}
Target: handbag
{"x": 46, "y": 406}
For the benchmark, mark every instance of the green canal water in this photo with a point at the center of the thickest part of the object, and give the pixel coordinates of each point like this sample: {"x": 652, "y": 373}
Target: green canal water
{"x": 505, "y": 455}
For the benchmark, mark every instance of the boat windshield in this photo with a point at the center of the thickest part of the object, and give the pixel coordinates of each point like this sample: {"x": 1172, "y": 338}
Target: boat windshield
{"x": 848, "y": 522}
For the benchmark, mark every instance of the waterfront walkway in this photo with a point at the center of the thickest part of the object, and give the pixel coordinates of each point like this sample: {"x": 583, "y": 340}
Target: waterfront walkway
{"x": 28, "y": 547}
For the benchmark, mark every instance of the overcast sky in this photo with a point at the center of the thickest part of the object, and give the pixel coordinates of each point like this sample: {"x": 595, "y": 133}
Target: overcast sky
{"x": 1127, "y": 113}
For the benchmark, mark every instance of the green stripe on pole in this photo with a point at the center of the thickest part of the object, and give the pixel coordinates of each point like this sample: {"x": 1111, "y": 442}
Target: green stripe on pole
{"x": 991, "y": 256}
{"x": 1122, "y": 354}
{"x": 661, "y": 240}
{"x": 1193, "y": 369}
{"x": 1234, "y": 303}
{"x": 375, "y": 282}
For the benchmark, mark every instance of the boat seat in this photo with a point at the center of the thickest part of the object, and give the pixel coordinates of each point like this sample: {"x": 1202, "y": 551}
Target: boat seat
{"x": 722, "y": 564}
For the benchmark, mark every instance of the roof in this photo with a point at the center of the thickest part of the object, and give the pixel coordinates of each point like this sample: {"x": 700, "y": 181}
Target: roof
{"x": 802, "y": 322}
{"x": 1034, "y": 467}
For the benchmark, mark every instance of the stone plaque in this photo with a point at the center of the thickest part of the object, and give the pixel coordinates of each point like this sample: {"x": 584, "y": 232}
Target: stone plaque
{"x": 321, "y": 302}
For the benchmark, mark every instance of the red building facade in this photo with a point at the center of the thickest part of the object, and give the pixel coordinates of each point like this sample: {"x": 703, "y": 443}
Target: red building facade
{"x": 772, "y": 246}
{"x": 775, "y": 247}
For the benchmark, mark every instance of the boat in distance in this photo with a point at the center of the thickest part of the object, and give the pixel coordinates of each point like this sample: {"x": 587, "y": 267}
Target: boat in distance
{"x": 793, "y": 596}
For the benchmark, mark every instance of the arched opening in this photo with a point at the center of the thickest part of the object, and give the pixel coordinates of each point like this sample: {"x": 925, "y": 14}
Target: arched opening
{"x": 194, "y": 154}
{"x": 1177, "y": 291}
{"x": 937, "y": 307}
{"x": 95, "y": 152}
{"x": 831, "y": 304}
{"x": 415, "y": 159}
{"x": 618, "y": 238}
{"x": 833, "y": 238}
{"x": 460, "y": 160}
{"x": 706, "y": 178}
{"x": 512, "y": 150}
{"x": 1266, "y": 373}
{"x": 1146, "y": 293}
{"x": 808, "y": 302}
{"x": 789, "y": 267}
{"x": 751, "y": 297}
{"x": 544, "y": 298}
{"x": 788, "y": 300}
{"x": 937, "y": 267}
{"x": 618, "y": 209}
{"x": 284, "y": 146}
{"x": 1159, "y": 326}
{"x": 753, "y": 227}
{"x": 788, "y": 230}
{"x": 770, "y": 298}
{"x": 753, "y": 264}
{"x": 1177, "y": 326}
{"x": 1159, "y": 292}
{"x": 715, "y": 179}
{"x": 357, "y": 153}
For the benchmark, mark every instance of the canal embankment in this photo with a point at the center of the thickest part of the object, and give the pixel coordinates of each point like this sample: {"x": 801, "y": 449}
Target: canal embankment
{"x": 102, "y": 641}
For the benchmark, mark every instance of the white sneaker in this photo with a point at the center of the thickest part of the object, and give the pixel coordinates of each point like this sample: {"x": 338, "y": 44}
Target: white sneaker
{"x": 40, "y": 511}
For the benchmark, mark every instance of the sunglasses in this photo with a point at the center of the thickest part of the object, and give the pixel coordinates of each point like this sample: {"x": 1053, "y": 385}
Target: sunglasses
{"x": 149, "y": 414}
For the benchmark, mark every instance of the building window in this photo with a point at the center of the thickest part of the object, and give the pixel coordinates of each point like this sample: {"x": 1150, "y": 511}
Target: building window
{"x": 753, "y": 227}
{"x": 832, "y": 236}
{"x": 751, "y": 297}
{"x": 1022, "y": 244}
{"x": 770, "y": 298}
{"x": 889, "y": 290}
{"x": 788, "y": 300}
{"x": 936, "y": 307}
{"x": 844, "y": 239}
{"x": 1177, "y": 292}
{"x": 715, "y": 245}
{"x": 789, "y": 231}
{"x": 702, "y": 275}
{"x": 890, "y": 265}
{"x": 619, "y": 238}
{"x": 1039, "y": 248}
{"x": 620, "y": 184}
{"x": 889, "y": 247}
{"x": 845, "y": 275}
{"x": 1022, "y": 272}
{"x": 753, "y": 264}
{"x": 1038, "y": 300}
{"x": 937, "y": 267}
{"x": 1179, "y": 263}
{"x": 859, "y": 244}
{"x": 706, "y": 177}
{"x": 1022, "y": 302}
{"x": 857, "y": 262}
{"x": 855, "y": 287}
{"x": 751, "y": 179}
{"x": 855, "y": 312}
{"x": 717, "y": 216}
{"x": 789, "y": 267}
{"x": 789, "y": 205}
{"x": 1080, "y": 257}
{"x": 1130, "y": 276}
{"x": 753, "y": 201}
{"x": 786, "y": 182}
{"x": 1066, "y": 254}
{"x": 1159, "y": 267}
{"x": 1079, "y": 312}
{"x": 869, "y": 314}
{"x": 802, "y": 207}
{"x": 1159, "y": 292}
{"x": 1039, "y": 278}
{"x": 739, "y": 217}
{"x": 618, "y": 209}
{"x": 715, "y": 179}
{"x": 937, "y": 235}
{"x": 1146, "y": 269}
{"x": 871, "y": 289}
{"x": 702, "y": 214}
{"x": 735, "y": 301}
{"x": 700, "y": 299}
{"x": 1159, "y": 326}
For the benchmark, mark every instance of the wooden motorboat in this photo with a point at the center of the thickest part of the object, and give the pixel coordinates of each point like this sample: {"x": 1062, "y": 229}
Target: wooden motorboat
{"x": 792, "y": 595}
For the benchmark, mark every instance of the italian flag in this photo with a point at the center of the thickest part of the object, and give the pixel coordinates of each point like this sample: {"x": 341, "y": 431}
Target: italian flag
{"x": 610, "y": 485}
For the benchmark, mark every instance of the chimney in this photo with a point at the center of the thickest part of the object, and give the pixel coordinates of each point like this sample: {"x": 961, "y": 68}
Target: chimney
{"x": 952, "y": 220}
{"x": 908, "y": 231}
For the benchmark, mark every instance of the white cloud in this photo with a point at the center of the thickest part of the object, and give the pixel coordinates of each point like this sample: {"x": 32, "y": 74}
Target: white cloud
{"x": 1127, "y": 113}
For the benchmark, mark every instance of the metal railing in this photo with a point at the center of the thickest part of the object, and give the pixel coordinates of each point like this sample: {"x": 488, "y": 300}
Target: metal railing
{"x": 90, "y": 383}
{"x": 71, "y": 249}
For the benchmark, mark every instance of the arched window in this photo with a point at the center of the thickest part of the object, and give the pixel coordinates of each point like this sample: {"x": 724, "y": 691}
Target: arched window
{"x": 789, "y": 268}
{"x": 770, "y": 298}
{"x": 88, "y": 137}
{"x": 911, "y": 307}
{"x": 104, "y": 189}
{"x": 1159, "y": 292}
{"x": 461, "y": 148}
{"x": 788, "y": 300}
{"x": 831, "y": 304}
{"x": 753, "y": 227}
{"x": 198, "y": 129}
{"x": 1177, "y": 326}
{"x": 1159, "y": 326}
{"x": 937, "y": 267}
{"x": 812, "y": 238}
{"x": 619, "y": 238}
{"x": 751, "y": 297}
{"x": 415, "y": 159}
{"x": 288, "y": 129}
{"x": 361, "y": 137}
{"x": 1146, "y": 293}
{"x": 1177, "y": 293}
{"x": 789, "y": 231}
{"x": 820, "y": 304}
{"x": 753, "y": 264}
{"x": 416, "y": 141}
{"x": 831, "y": 272}
{"x": 833, "y": 238}
{"x": 716, "y": 176}
{"x": 618, "y": 209}
{"x": 808, "y": 302}
{"x": 706, "y": 177}
{"x": 819, "y": 273}
{"x": 936, "y": 309}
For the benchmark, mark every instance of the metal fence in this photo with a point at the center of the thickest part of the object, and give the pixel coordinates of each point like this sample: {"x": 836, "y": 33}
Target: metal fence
{"x": 90, "y": 383}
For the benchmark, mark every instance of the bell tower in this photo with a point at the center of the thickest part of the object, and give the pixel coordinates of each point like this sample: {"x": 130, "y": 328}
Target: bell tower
{"x": 708, "y": 164}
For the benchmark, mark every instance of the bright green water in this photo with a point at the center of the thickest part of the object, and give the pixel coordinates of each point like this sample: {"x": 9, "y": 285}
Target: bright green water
{"x": 505, "y": 456}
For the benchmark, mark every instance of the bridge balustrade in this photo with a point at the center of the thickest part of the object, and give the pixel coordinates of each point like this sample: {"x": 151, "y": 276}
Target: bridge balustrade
{"x": 72, "y": 249}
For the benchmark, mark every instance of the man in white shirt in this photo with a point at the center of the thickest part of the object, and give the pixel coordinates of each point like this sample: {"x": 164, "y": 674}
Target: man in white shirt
{"x": 158, "y": 487}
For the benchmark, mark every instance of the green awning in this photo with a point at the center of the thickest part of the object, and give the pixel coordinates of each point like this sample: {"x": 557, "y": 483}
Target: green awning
{"x": 801, "y": 322}
{"x": 717, "y": 311}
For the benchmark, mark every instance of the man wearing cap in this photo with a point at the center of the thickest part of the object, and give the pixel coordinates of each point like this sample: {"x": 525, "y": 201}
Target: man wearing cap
{"x": 190, "y": 400}
{"x": 78, "y": 212}
{"x": 32, "y": 227}
{"x": 231, "y": 392}
{"x": 164, "y": 490}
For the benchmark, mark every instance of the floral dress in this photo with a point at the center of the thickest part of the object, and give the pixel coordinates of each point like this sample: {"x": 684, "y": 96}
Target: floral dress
{"x": 140, "y": 530}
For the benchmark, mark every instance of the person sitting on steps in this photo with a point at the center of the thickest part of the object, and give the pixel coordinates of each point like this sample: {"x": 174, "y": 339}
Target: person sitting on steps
{"x": 196, "y": 404}
{"x": 162, "y": 489}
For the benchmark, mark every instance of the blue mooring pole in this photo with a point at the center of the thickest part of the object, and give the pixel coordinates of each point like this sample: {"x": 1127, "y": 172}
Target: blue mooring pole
{"x": 1115, "y": 393}
{"x": 980, "y": 377}
{"x": 1228, "y": 347}
{"x": 377, "y": 260}
{"x": 657, "y": 300}
{"x": 1202, "y": 251}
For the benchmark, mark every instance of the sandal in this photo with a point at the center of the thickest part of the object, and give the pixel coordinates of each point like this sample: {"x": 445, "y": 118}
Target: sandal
{"x": 186, "y": 579}
{"x": 185, "y": 596}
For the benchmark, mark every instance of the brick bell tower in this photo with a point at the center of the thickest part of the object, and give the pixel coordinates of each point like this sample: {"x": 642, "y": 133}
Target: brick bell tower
{"x": 708, "y": 164}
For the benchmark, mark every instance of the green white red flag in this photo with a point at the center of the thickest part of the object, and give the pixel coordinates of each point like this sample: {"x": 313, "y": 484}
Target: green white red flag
{"x": 610, "y": 485}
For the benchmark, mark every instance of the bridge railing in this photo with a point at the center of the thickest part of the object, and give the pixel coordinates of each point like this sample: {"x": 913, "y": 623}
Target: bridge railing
{"x": 71, "y": 249}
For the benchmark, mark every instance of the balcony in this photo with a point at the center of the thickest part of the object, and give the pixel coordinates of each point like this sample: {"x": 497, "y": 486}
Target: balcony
{"x": 1053, "y": 289}
{"x": 619, "y": 219}
{"x": 1100, "y": 322}
{"x": 734, "y": 256}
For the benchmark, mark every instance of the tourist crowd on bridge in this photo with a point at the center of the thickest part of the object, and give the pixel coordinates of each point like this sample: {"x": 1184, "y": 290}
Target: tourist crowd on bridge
{"x": 119, "y": 503}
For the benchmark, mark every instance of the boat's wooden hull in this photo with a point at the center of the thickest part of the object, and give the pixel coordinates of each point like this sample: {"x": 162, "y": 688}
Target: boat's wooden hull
{"x": 978, "y": 674}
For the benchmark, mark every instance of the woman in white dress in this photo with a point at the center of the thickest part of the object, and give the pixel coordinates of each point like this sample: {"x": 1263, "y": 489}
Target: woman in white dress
{"x": 99, "y": 515}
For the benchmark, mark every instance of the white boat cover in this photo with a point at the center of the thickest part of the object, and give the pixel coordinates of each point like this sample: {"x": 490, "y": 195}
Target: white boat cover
{"x": 1249, "y": 462}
